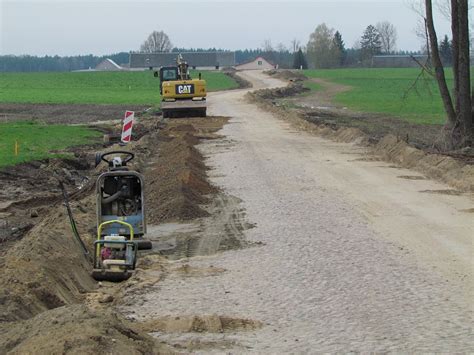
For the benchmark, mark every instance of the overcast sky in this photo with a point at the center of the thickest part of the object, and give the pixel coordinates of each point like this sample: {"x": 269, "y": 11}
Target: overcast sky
{"x": 70, "y": 27}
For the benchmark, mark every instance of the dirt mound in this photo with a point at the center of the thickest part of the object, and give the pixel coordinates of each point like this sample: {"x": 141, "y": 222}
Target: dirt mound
{"x": 290, "y": 90}
{"x": 374, "y": 126}
{"x": 46, "y": 269}
{"x": 243, "y": 84}
{"x": 290, "y": 75}
{"x": 190, "y": 271}
{"x": 437, "y": 166}
{"x": 176, "y": 178}
{"x": 199, "y": 324}
{"x": 76, "y": 330}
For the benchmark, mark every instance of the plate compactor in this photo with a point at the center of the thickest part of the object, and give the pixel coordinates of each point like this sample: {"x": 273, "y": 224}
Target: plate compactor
{"x": 114, "y": 256}
{"x": 121, "y": 221}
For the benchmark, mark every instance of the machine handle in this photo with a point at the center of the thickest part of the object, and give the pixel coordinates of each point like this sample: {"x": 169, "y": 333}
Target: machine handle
{"x": 101, "y": 156}
{"x": 128, "y": 225}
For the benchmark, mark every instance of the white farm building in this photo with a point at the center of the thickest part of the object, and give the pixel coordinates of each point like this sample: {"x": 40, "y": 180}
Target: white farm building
{"x": 108, "y": 65}
{"x": 258, "y": 63}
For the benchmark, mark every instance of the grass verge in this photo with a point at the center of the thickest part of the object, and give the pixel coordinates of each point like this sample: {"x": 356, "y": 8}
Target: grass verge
{"x": 389, "y": 91}
{"x": 314, "y": 87}
{"x": 39, "y": 141}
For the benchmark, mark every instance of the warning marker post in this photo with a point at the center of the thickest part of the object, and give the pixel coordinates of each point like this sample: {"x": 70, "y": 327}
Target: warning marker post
{"x": 127, "y": 126}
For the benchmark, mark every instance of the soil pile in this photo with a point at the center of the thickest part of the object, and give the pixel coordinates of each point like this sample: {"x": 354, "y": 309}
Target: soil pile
{"x": 291, "y": 90}
{"x": 375, "y": 126}
{"x": 290, "y": 75}
{"x": 243, "y": 83}
{"x": 199, "y": 324}
{"x": 176, "y": 177}
{"x": 46, "y": 268}
{"x": 76, "y": 330}
{"x": 441, "y": 167}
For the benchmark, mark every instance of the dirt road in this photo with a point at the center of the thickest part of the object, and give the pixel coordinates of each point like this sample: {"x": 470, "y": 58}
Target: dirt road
{"x": 353, "y": 254}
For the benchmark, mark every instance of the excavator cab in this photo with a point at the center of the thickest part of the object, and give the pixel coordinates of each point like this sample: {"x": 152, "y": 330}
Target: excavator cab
{"x": 167, "y": 74}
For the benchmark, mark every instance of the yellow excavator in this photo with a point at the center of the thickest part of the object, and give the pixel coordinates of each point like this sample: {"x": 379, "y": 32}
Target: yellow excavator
{"x": 180, "y": 94}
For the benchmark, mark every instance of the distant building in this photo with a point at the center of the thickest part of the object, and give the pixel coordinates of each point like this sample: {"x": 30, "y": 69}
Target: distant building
{"x": 397, "y": 61}
{"x": 258, "y": 63}
{"x": 195, "y": 60}
{"x": 108, "y": 65}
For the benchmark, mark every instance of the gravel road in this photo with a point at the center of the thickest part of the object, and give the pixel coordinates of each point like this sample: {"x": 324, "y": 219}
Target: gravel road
{"x": 351, "y": 256}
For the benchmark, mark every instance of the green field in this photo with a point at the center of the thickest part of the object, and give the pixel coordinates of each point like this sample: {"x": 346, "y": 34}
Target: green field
{"x": 38, "y": 141}
{"x": 383, "y": 91}
{"x": 312, "y": 86}
{"x": 93, "y": 87}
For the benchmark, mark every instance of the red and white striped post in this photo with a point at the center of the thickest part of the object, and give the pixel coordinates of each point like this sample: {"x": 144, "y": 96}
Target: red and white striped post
{"x": 127, "y": 126}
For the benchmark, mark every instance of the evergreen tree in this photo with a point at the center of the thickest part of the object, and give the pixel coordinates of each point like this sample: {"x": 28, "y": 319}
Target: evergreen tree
{"x": 299, "y": 60}
{"x": 340, "y": 48}
{"x": 446, "y": 51}
{"x": 370, "y": 43}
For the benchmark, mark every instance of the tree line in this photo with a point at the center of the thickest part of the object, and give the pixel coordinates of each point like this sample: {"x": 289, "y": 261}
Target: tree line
{"x": 326, "y": 47}
{"x": 29, "y": 63}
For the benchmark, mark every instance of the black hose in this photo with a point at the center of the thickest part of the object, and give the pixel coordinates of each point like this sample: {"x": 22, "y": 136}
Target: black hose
{"x": 73, "y": 223}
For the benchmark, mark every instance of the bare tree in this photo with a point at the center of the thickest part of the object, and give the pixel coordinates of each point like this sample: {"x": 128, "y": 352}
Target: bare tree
{"x": 267, "y": 46}
{"x": 321, "y": 51}
{"x": 459, "y": 125}
{"x": 295, "y": 45}
{"x": 281, "y": 48}
{"x": 388, "y": 36}
{"x": 444, "y": 7}
{"x": 157, "y": 42}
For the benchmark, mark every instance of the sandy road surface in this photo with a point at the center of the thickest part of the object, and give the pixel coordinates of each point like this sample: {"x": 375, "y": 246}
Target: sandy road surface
{"x": 353, "y": 257}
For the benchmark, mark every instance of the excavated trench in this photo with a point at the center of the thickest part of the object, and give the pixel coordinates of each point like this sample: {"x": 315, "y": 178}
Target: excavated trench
{"x": 46, "y": 287}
